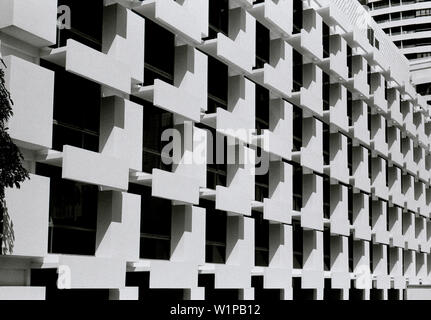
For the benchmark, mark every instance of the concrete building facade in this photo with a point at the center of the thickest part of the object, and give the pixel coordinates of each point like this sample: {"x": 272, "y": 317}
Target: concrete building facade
{"x": 314, "y": 89}
{"x": 408, "y": 23}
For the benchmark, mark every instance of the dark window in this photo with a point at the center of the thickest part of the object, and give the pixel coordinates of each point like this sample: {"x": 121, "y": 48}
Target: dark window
{"x": 297, "y": 128}
{"x": 297, "y": 187}
{"x": 76, "y": 110}
{"x": 217, "y": 85}
{"x": 327, "y": 249}
{"x": 159, "y": 54}
{"x": 72, "y": 214}
{"x": 326, "y": 90}
{"x": 297, "y": 16}
{"x": 262, "y": 109}
{"x": 218, "y": 18}
{"x": 262, "y": 45}
{"x": 326, "y": 144}
{"x": 156, "y": 121}
{"x": 297, "y": 71}
{"x": 86, "y": 23}
{"x": 216, "y": 228}
{"x": 326, "y": 40}
{"x": 349, "y": 107}
{"x": 350, "y": 156}
{"x": 217, "y": 162}
{"x": 350, "y": 61}
{"x": 326, "y": 197}
{"x": 156, "y": 218}
{"x": 261, "y": 182}
{"x": 261, "y": 234}
{"x": 297, "y": 244}
{"x": 350, "y": 205}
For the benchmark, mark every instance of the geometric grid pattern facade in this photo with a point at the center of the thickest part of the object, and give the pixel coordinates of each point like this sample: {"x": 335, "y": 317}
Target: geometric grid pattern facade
{"x": 314, "y": 89}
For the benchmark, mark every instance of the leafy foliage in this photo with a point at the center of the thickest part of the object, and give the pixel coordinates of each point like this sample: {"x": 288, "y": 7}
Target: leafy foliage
{"x": 12, "y": 173}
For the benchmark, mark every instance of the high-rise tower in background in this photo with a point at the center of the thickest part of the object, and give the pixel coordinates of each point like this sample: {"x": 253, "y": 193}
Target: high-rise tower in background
{"x": 408, "y": 22}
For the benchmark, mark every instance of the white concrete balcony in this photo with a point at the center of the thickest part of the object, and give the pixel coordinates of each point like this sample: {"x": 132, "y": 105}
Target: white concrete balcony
{"x": 377, "y": 97}
{"x": 359, "y": 178}
{"x": 361, "y": 227}
{"x": 337, "y": 168}
{"x": 118, "y": 225}
{"x": 170, "y": 274}
{"x": 358, "y": 81}
{"x": 276, "y": 15}
{"x": 378, "y": 135}
{"x": 394, "y": 107}
{"x": 337, "y": 113}
{"x": 237, "y": 197}
{"x": 24, "y": 293}
{"x": 334, "y": 17}
{"x": 240, "y": 255}
{"x": 165, "y": 185}
{"x": 238, "y": 121}
{"x": 378, "y": 178}
{"x": 396, "y": 197}
{"x": 426, "y": 175}
{"x": 231, "y": 277}
{"x": 124, "y": 39}
{"x": 188, "y": 243}
{"x": 419, "y": 196}
{"x": 395, "y": 227}
{"x": 312, "y": 271}
{"x": 28, "y": 216}
{"x": 188, "y": 96}
{"x": 121, "y": 131}
{"x": 187, "y": 18}
{"x": 419, "y": 123}
{"x": 428, "y": 202}
{"x": 357, "y": 39}
{"x": 407, "y": 188}
{"x": 359, "y": 129}
{"x": 419, "y": 156}
{"x": 409, "y": 261}
{"x": 335, "y": 65}
{"x": 278, "y": 207}
{"x": 409, "y": 233}
{"x": 378, "y": 59}
{"x": 309, "y": 40}
{"x": 380, "y": 267}
{"x": 91, "y": 64}
{"x": 310, "y": 95}
{"x": 312, "y": 202}
{"x": 394, "y": 146}
{"x": 94, "y": 168}
{"x": 379, "y": 230}
{"x": 32, "y": 91}
{"x": 277, "y": 141}
{"x": 93, "y": 272}
{"x": 407, "y": 152}
{"x": 237, "y": 50}
{"x": 277, "y": 74}
{"x": 408, "y": 91}
{"x": 339, "y": 210}
{"x": 31, "y": 21}
{"x": 311, "y": 154}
